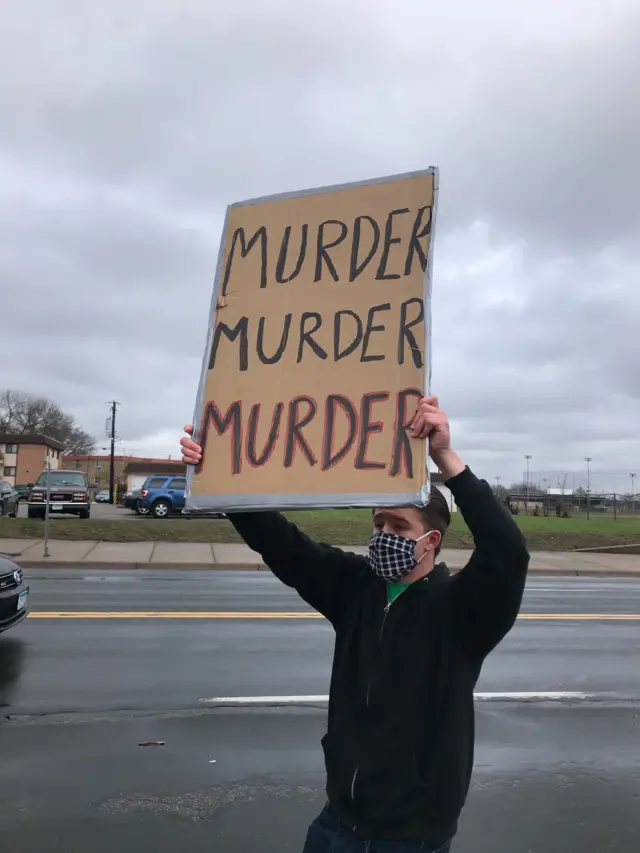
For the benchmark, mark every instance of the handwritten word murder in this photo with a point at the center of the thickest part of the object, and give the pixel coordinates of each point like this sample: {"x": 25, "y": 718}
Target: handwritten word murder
{"x": 287, "y": 424}
{"x": 369, "y": 243}
{"x": 348, "y": 333}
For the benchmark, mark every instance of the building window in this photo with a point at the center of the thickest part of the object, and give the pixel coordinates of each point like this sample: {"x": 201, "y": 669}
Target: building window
{"x": 11, "y": 448}
{"x": 9, "y": 470}
{"x": 99, "y": 463}
{"x": 96, "y": 480}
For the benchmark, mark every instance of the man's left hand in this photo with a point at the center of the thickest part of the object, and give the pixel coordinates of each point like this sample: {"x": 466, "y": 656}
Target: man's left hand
{"x": 432, "y": 423}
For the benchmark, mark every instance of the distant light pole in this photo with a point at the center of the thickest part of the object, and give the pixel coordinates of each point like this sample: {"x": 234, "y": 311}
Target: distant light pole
{"x": 526, "y": 506}
{"x": 497, "y": 482}
{"x": 545, "y": 483}
{"x": 588, "y": 460}
{"x": 633, "y": 492}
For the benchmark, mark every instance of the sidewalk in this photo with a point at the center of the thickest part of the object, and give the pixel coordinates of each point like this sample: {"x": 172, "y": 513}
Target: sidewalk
{"x": 203, "y": 555}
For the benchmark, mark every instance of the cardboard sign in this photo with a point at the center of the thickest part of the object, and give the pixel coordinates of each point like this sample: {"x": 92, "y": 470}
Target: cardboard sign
{"x": 318, "y": 350}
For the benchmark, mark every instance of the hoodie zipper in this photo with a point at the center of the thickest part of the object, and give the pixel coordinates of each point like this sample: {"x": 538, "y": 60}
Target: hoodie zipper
{"x": 387, "y": 608}
{"x": 380, "y": 633}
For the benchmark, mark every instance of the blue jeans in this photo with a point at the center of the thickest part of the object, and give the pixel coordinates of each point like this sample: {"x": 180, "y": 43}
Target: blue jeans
{"x": 328, "y": 835}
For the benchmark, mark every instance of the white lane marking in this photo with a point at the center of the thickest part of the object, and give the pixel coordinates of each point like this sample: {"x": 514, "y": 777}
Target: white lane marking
{"x": 541, "y": 696}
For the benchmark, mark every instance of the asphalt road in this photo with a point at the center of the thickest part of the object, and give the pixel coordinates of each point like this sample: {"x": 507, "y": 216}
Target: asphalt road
{"x": 95, "y": 670}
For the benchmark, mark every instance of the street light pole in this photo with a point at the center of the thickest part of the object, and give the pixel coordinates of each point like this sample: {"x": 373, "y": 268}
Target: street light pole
{"x": 633, "y": 492}
{"x": 588, "y": 460}
{"x": 526, "y": 506}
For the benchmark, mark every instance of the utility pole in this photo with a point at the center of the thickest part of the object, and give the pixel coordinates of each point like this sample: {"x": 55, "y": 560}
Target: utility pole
{"x": 46, "y": 509}
{"x": 526, "y": 506}
{"x": 588, "y": 460}
{"x": 112, "y": 461}
{"x": 497, "y": 482}
{"x": 633, "y": 492}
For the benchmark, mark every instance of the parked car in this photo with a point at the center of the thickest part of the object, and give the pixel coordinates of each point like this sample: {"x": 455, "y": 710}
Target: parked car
{"x": 103, "y": 496}
{"x": 68, "y": 494}
{"x": 162, "y": 495}
{"x": 14, "y": 593}
{"x": 130, "y": 501}
{"x": 23, "y": 491}
{"x": 8, "y": 499}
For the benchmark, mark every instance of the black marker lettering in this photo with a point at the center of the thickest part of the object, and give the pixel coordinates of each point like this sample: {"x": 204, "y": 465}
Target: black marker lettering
{"x": 305, "y": 335}
{"x": 233, "y": 419}
{"x": 241, "y": 329}
{"x": 275, "y": 358}
{"x": 329, "y": 456}
{"x": 401, "y": 443}
{"x": 252, "y": 435}
{"x": 337, "y": 327}
{"x": 321, "y": 252}
{"x": 355, "y": 268}
{"x": 370, "y": 329}
{"x": 282, "y": 256}
{"x": 406, "y": 333}
{"x": 367, "y": 428}
{"x": 389, "y": 241}
{"x": 245, "y": 248}
{"x": 294, "y": 437}
{"x": 416, "y": 236}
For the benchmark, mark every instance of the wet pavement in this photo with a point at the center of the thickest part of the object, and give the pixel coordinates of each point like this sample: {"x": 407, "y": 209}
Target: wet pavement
{"x": 77, "y": 696}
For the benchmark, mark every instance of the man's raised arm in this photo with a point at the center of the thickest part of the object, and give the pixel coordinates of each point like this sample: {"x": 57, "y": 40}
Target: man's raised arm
{"x": 321, "y": 574}
{"x": 488, "y": 591}
{"x": 487, "y": 594}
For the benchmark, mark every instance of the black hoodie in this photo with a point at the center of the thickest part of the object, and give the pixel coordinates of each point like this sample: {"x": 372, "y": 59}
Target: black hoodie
{"x": 400, "y": 740}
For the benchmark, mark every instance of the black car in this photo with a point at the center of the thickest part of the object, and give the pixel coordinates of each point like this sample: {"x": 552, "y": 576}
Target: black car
{"x": 14, "y": 593}
{"x": 131, "y": 500}
{"x": 23, "y": 491}
{"x": 8, "y": 499}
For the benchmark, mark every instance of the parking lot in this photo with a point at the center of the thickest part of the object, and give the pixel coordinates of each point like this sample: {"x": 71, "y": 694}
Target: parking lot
{"x": 99, "y": 511}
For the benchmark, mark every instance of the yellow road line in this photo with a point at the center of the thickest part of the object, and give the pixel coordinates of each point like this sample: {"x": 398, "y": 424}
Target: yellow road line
{"x": 193, "y": 614}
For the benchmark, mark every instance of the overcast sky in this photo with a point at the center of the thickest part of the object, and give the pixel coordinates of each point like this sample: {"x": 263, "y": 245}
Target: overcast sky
{"x": 127, "y": 127}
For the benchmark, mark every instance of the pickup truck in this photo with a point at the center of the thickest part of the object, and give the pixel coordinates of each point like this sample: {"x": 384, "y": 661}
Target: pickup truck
{"x": 68, "y": 494}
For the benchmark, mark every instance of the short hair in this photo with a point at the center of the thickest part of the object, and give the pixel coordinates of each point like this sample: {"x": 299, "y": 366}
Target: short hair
{"x": 436, "y": 514}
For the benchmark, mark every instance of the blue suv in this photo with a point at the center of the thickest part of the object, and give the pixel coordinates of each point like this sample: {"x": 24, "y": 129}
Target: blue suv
{"x": 162, "y": 495}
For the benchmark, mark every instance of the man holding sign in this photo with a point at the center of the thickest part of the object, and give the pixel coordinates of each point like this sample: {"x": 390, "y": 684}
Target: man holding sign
{"x": 411, "y": 640}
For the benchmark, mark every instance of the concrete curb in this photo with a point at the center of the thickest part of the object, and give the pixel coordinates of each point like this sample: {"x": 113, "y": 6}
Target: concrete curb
{"x": 164, "y": 567}
{"x": 596, "y": 572}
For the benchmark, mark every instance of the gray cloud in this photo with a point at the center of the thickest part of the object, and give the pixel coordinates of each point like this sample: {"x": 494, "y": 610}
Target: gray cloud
{"x": 126, "y": 130}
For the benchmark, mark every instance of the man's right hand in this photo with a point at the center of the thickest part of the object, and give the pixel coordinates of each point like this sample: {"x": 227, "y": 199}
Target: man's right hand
{"x": 191, "y": 452}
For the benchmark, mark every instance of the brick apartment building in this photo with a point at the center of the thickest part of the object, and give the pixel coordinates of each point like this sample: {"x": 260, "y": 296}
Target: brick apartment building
{"x": 128, "y": 470}
{"x": 24, "y": 457}
{"x": 96, "y": 468}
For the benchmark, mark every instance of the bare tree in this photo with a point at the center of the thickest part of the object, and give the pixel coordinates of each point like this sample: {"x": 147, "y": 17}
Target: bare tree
{"x": 500, "y": 492}
{"x": 562, "y": 510}
{"x": 24, "y": 414}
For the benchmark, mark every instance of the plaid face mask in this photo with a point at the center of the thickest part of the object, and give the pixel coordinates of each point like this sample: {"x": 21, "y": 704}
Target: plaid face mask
{"x": 391, "y": 556}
